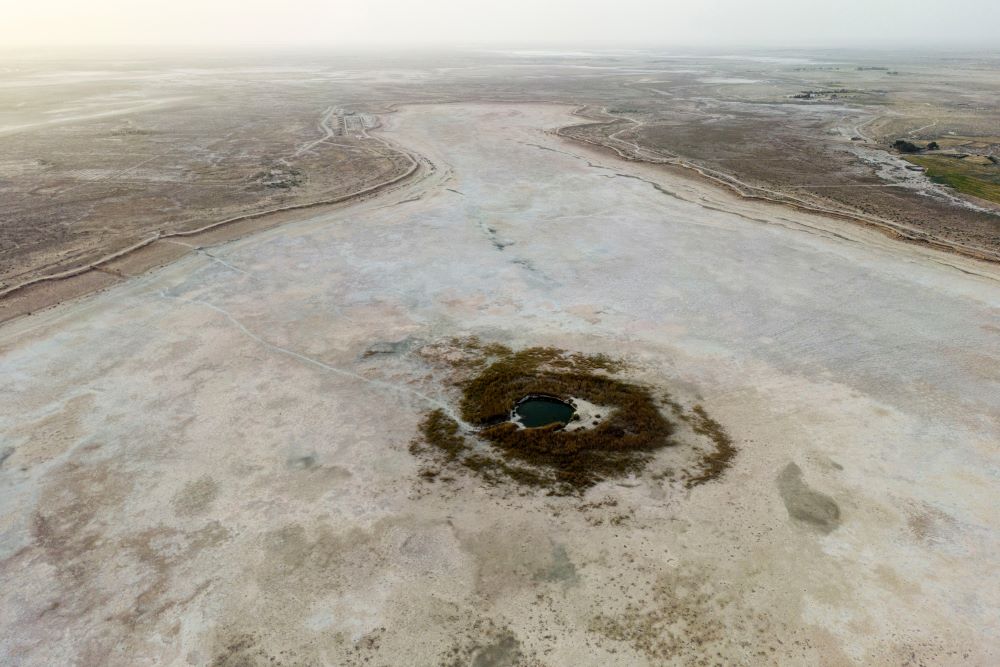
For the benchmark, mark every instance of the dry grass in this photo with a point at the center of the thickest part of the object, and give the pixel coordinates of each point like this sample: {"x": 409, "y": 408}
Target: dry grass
{"x": 712, "y": 463}
{"x": 561, "y": 461}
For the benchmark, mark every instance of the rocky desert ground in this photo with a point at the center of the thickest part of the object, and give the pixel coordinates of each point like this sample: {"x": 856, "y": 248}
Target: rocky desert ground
{"x": 219, "y": 454}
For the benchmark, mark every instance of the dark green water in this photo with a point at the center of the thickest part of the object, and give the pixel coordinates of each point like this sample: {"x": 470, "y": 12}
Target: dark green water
{"x": 536, "y": 411}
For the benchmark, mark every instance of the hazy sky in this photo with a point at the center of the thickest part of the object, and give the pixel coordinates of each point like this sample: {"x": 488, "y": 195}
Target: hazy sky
{"x": 663, "y": 23}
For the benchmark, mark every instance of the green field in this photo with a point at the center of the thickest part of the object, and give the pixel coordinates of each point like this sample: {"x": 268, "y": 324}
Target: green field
{"x": 978, "y": 180}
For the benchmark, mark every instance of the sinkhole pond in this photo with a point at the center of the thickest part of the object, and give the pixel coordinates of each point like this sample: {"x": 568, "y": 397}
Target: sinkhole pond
{"x": 514, "y": 428}
{"x": 535, "y": 411}
{"x": 514, "y": 419}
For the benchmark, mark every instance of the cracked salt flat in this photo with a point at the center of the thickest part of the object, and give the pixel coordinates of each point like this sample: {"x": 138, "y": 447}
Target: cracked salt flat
{"x": 224, "y": 474}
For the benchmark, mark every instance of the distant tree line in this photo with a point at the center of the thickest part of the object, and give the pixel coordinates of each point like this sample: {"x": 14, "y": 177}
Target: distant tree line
{"x": 904, "y": 146}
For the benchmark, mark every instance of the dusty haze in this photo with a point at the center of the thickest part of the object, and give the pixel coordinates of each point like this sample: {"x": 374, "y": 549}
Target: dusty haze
{"x": 718, "y": 23}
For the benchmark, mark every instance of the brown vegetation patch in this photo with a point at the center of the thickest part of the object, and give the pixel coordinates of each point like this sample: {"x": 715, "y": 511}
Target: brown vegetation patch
{"x": 715, "y": 462}
{"x": 562, "y": 461}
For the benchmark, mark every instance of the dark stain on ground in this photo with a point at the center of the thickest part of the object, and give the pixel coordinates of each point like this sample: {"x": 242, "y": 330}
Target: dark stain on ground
{"x": 485, "y": 644}
{"x": 804, "y": 504}
{"x": 494, "y": 237}
{"x": 302, "y": 462}
{"x": 388, "y": 348}
{"x": 196, "y": 497}
{"x": 408, "y": 201}
{"x": 552, "y": 150}
{"x": 561, "y": 570}
{"x": 656, "y": 186}
{"x": 244, "y": 650}
{"x": 524, "y": 263}
{"x": 505, "y": 651}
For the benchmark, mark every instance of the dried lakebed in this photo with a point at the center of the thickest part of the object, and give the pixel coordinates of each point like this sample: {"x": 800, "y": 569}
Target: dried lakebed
{"x": 211, "y": 464}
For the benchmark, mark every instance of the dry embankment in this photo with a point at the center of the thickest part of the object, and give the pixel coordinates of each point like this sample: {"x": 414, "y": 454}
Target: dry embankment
{"x": 603, "y": 132}
{"x": 162, "y": 247}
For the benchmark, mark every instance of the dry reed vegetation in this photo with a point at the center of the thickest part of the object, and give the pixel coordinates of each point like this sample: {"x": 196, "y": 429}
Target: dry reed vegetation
{"x": 561, "y": 461}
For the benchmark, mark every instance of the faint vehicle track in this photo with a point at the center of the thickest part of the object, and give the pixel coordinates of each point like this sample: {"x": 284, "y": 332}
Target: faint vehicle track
{"x": 107, "y": 113}
{"x": 445, "y": 407}
{"x": 324, "y": 126}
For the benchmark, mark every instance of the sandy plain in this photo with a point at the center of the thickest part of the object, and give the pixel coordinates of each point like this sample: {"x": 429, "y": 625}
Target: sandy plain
{"x": 202, "y": 465}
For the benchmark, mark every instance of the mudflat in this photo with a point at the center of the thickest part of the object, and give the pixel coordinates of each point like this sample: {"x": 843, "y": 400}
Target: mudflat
{"x": 211, "y": 463}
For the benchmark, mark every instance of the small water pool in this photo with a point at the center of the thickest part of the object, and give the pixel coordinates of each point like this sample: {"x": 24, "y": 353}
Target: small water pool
{"x": 535, "y": 411}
